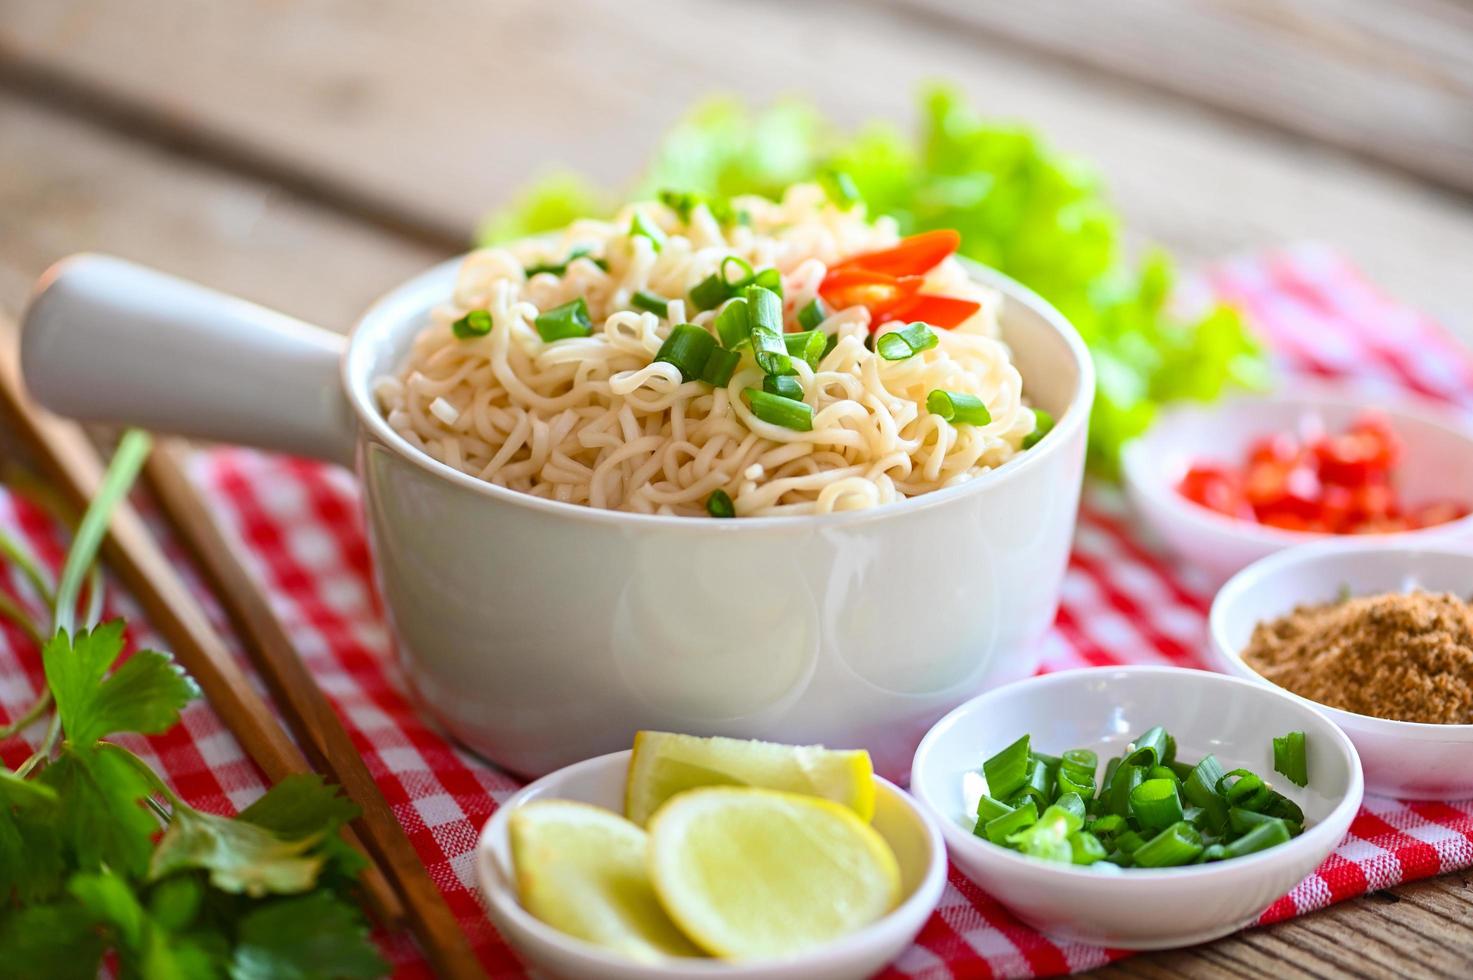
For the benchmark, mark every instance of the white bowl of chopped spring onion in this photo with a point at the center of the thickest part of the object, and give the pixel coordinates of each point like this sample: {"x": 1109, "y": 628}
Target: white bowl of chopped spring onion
{"x": 1410, "y": 760}
{"x": 1132, "y": 867}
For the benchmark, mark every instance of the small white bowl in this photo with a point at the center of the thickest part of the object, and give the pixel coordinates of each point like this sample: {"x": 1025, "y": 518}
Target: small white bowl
{"x": 1103, "y": 708}
{"x": 1438, "y": 463}
{"x": 904, "y": 825}
{"x": 1409, "y": 760}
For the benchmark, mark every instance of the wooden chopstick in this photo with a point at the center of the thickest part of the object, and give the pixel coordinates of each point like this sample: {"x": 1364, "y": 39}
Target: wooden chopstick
{"x": 307, "y": 711}
{"x": 69, "y": 458}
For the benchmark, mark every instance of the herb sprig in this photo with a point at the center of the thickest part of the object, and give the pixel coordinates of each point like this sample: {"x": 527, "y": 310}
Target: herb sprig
{"x": 98, "y": 854}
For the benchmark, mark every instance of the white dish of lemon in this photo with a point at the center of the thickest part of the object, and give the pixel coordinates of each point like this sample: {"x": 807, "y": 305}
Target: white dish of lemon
{"x": 754, "y": 861}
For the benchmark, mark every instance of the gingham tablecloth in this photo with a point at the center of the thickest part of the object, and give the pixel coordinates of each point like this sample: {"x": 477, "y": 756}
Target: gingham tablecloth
{"x": 1123, "y": 602}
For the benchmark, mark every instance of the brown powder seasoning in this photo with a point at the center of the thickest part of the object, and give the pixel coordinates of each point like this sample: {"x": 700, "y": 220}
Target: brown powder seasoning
{"x": 1403, "y": 656}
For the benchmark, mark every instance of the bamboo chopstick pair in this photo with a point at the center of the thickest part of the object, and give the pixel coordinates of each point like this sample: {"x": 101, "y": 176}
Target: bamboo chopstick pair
{"x": 397, "y": 887}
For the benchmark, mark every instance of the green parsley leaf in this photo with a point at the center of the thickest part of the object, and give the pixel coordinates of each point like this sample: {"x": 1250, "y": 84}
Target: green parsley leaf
{"x": 300, "y": 805}
{"x": 100, "y": 817}
{"x": 147, "y": 947}
{"x": 144, "y": 695}
{"x": 239, "y": 856}
{"x": 315, "y": 936}
{"x": 30, "y": 853}
{"x": 57, "y": 941}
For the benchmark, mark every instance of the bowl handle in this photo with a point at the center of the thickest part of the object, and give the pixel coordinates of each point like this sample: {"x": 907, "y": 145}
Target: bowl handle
{"x": 109, "y": 341}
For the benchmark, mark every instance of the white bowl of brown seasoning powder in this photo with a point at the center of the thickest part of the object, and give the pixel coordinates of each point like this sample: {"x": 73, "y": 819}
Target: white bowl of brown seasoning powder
{"x": 1380, "y": 638}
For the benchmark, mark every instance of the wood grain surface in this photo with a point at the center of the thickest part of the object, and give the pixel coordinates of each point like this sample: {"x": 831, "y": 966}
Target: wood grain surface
{"x": 310, "y": 154}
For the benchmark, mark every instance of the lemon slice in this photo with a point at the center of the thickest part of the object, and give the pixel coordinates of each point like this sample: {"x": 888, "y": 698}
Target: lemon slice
{"x": 665, "y": 764}
{"x": 584, "y": 871}
{"x": 752, "y": 873}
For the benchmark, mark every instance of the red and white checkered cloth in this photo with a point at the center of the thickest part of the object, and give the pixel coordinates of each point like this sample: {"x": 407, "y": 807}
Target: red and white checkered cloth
{"x": 1122, "y": 603}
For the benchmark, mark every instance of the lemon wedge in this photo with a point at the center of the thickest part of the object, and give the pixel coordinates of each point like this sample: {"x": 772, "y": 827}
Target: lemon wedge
{"x": 665, "y": 764}
{"x": 753, "y": 873}
{"x": 584, "y": 871}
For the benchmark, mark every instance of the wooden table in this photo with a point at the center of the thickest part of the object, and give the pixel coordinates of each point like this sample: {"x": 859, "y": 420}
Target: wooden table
{"x": 310, "y": 154}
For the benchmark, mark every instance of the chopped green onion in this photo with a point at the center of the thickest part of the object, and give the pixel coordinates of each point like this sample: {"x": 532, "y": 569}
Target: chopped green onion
{"x": 1284, "y": 808}
{"x": 810, "y": 316}
{"x": 784, "y": 386}
{"x": 559, "y": 268}
{"x": 829, "y": 345}
{"x": 1107, "y": 826}
{"x": 1149, "y": 750}
{"x": 1200, "y": 789}
{"x": 1072, "y": 802}
{"x": 999, "y": 829}
{"x": 840, "y": 188}
{"x": 710, "y": 292}
{"x": 746, "y": 272}
{"x": 1176, "y": 845}
{"x": 651, "y": 303}
{"x": 1129, "y": 841}
{"x": 1242, "y": 821}
{"x": 1289, "y": 758}
{"x": 1007, "y": 771}
{"x": 1048, "y": 837}
{"x": 1117, "y": 798}
{"x": 1043, "y": 424}
{"x": 719, "y": 504}
{"x": 1155, "y": 804}
{"x": 476, "y": 323}
{"x": 768, "y": 279}
{"x": 681, "y": 202}
{"x": 898, "y": 345}
{"x": 687, "y": 347}
{"x": 732, "y": 324}
{"x": 1246, "y": 790}
{"x": 989, "y": 808}
{"x": 1036, "y": 786}
{"x": 642, "y": 227}
{"x": 778, "y": 410}
{"x": 765, "y": 322}
{"x": 958, "y": 407}
{"x": 807, "y": 345}
{"x": 561, "y": 322}
{"x": 1260, "y": 838}
{"x": 720, "y": 366}
{"x": 1085, "y": 848}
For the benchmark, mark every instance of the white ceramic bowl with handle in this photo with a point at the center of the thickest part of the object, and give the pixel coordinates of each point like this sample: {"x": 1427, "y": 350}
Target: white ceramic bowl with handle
{"x": 898, "y": 819}
{"x": 539, "y": 632}
{"x": 1408, "y": 760}
{"x": 1103, "y": 708}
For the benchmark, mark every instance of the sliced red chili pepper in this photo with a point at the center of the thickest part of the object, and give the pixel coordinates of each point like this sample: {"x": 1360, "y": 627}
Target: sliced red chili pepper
{"x": 1216, "y": 488}
{"x": 875, "y": 291}
{"x": 939, "y": 311}
{"x": 913, "y": 256}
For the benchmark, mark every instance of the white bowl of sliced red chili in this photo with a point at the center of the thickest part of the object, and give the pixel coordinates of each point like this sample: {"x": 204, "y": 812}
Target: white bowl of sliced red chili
{"x": 1381, "y": 627}
{"x": 1224, "y": 485}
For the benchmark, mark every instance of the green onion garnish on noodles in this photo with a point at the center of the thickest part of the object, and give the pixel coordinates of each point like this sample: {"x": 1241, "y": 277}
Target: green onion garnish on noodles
{"x": 778, "y": 410}
{"x": 897, "y": 345}
{"x": 744, "y": 272}
{"x": 719, "y": 504}
{"x": 731, "y": 323}
{"x": 642, "y": 227}
{"x": 957, "y": 407}
{"x": 1043, "y": 423}
{"x": 1289, "y": 758}
{"x": 1176, "y": 845}
{"x": 681, "y": 202}
{"x": 720, "y": 366}
{"x": 559, "y": 268}
{"x": 476, "y": 323}
{"x": 765, "y": 322}
{"x": 687, "y": 347}
{"x": 561, "y": 322}
{"x": 1154, "y": 803}
{"x": 767, "y": 279}
{"x": 810, "y": 316}
{"x": 840, "y": 188}
{"x": 807, "y": 345}
{"x": 783, "y": 385}
{"x": 651, "y": 303}
{"x": 1007, "y": 771}
{"x": 710, "y": 292}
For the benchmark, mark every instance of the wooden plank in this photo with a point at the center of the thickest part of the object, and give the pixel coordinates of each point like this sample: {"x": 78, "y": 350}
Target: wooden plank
{"x": 1390, "y": 83}
{"x": 436, "y": 113}
{"x": 65, "y": 187}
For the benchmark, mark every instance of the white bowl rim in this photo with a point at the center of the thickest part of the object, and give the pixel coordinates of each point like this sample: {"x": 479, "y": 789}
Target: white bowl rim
{"x": 410, "y": 299}
{"x": 926, "y": 894}
{"x": 1309, "y": 392}
{"x": 1313, "y": 838}
{"x": 1232, "y": 660}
